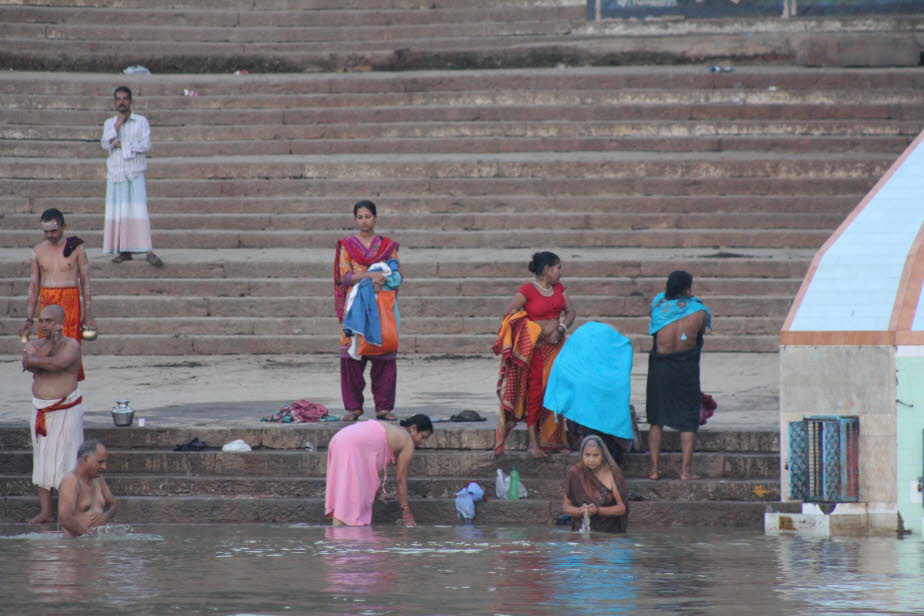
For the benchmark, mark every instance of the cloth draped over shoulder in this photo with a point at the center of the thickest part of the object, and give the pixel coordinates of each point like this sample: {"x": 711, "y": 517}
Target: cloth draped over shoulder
{"x": 590, "y": 381}
{"x": 665, "y": 311}
{"x": 582, "y": 487}
{"x": 516, "y": 341}
{"x": 673, "y": 395}
{"x": 352, "y": 257}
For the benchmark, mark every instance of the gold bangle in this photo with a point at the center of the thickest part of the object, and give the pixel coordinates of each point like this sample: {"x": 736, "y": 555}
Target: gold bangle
{"x": 406, "y": 508}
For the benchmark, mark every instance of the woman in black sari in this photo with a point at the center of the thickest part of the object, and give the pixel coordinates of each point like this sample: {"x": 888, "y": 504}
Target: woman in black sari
{"x": 596, "y": 486}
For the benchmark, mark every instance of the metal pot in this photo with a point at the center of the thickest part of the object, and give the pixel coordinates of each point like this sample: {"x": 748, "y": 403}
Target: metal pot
{"x": 89, "y": 334}
{"x": 122, "y": 414}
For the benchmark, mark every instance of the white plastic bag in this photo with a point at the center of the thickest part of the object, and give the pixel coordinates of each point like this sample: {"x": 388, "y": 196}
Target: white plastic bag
{"x": 237, "y": 445}
{"x": 501, "y": 484}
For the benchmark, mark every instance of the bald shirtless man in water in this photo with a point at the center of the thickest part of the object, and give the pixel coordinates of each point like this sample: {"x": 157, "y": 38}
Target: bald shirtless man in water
{"x": 84, "y": 499}
{"x": 56, "y": 425}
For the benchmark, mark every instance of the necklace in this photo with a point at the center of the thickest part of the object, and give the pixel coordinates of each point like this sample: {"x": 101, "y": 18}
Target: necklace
{"x": 546, "y": 291}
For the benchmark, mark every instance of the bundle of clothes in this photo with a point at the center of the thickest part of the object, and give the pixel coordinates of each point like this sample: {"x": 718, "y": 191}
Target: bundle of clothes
{"x": 300, "y": 411}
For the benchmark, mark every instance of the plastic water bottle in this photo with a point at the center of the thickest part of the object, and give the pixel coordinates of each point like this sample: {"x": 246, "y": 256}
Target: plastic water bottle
{"x": 513, "y": 492}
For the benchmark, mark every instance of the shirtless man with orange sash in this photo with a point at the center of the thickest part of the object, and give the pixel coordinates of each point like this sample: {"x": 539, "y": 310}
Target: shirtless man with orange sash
{"x": 60, "y": 275}
{"x": 56, "y": 426}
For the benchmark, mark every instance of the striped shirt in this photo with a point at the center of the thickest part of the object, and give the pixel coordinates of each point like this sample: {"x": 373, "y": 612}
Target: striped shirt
{"x": 128, "y": 161}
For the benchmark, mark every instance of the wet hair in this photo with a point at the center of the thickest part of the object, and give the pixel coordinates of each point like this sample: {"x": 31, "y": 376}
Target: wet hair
{"x": 87, "y": 447}
{"x": 52, "y": 213}
{"x": 369, "y": 205}
{"x": 541, "y": 260}
{"x": 419, "y": 421}
{"x": 677, "y": 282}
{"x": 125, "y": 89}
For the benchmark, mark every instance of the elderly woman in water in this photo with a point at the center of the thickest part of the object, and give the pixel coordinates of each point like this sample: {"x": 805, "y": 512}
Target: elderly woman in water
{"x": 595, "y": 486}
{"x": 355, "y": 457}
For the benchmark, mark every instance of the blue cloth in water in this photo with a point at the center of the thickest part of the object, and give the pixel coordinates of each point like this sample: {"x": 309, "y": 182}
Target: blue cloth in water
{"x": 466, "y": 499}
{"x": 590, "y": 381}
{"x": 666, "y": 311}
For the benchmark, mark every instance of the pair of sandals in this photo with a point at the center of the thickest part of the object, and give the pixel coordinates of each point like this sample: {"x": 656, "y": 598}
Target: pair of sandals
{"x": 151, "y": 258}
{"x": 382, "y": 415}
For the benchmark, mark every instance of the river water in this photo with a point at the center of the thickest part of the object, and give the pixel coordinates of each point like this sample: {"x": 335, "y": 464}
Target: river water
{"x": 276, "y": 570}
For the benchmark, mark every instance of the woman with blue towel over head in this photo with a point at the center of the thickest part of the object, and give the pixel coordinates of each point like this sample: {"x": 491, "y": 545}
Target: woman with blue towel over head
{"x": 590, "y": 383}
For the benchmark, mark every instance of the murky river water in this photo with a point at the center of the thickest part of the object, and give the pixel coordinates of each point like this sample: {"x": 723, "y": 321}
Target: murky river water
{"x": 453, "y": 570}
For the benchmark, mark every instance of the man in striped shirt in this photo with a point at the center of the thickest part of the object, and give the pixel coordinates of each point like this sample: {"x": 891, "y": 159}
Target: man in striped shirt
{"x": 127, "y": 138}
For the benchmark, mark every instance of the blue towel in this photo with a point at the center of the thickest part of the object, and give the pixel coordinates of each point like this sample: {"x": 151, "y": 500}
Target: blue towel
{"x": 363, "y": 315}
{"x": 666, "y": 311}
{"x": 590, "y": 381}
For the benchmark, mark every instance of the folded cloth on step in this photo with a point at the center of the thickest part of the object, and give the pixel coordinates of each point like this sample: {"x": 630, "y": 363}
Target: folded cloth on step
{"x": 300, "y": 411}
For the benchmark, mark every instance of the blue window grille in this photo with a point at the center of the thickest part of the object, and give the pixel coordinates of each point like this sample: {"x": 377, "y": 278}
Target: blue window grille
{"x": 824, "y": 459}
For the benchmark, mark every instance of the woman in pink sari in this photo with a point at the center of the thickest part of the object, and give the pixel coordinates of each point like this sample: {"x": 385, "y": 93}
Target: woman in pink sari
{"x": 353, "y": 257}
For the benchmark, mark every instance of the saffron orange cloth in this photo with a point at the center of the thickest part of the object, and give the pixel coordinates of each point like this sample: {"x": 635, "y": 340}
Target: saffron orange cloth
{"x": 355, "y": 457}
{"x": 69, "y": 299}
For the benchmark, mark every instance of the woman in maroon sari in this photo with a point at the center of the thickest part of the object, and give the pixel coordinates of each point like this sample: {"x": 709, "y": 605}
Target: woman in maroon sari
{"x": 596, "y": 486}
{"x": 354, "y": 255}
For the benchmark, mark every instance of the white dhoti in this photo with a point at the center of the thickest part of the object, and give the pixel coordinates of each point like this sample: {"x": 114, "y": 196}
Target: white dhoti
{"x": 55, "y": 455}
{"x": 127, "y": 227}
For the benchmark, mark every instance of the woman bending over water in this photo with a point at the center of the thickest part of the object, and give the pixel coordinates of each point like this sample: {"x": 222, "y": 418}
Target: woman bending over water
{"x": 596, "y": 486}
{"x": 531, "y": 335}
{"x": 355, "y": 457}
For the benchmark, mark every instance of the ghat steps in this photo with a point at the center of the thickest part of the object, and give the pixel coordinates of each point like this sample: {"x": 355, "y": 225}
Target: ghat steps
{"x": 627, "y": 172}
{"x": 281, "y": 482}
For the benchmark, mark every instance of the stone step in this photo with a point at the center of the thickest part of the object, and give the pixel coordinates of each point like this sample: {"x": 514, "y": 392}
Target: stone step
{"x": 444, "y": 463}
{"x": 455, "y": 264}
{"x": 78, "y": 107}
{"x": 587, "y": 165}
{"x": 447, "y": 436}
{"x": 217, "y": 509}
{"x": 404, "y": 222}
{"x": 430, "y": 487}
{"x": 466, "y": 111}
{"x": 24, "y": 210}
{"x": 494, "y": 187}
{"x": 635, "y": 327}
{"x": 417, "y": 286}
{"x": 295, "y": 5}
{"x": 500, "y": 239}
{"x": 133, "y": 31}
{"x": 731, "y": 131}
{"x": 613, "y": 78}
{"x": 430, "y": 344}
{"x": 491, "y": 145}
{"x": 411, "y": 306}
{"x": 246, "y": 17}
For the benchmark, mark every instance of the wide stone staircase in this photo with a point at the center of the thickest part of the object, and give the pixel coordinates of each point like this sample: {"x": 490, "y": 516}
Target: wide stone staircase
{"x": 626, "y": 172}
{"x": 281, "y": 482}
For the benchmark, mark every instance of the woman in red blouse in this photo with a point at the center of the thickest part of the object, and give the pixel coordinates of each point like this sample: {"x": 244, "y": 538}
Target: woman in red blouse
{"x": 548, "y": 306}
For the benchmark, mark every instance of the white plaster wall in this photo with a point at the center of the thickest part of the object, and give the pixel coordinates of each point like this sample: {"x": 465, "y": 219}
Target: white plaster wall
{"x": 844, "y": 380}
